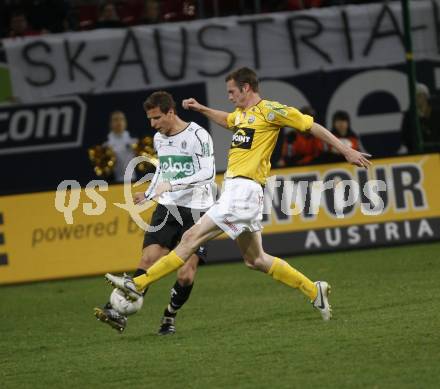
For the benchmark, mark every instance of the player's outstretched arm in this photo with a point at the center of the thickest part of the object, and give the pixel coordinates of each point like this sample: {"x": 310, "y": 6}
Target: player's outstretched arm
{"x": 220, "y": 117}
{"x": 351, "y": 155}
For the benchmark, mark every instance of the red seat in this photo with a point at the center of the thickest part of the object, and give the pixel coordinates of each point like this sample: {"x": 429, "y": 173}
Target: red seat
{"x": 130, "y": 11}
{"x": 301, "y": 4}
{"x": 87, "y": 16}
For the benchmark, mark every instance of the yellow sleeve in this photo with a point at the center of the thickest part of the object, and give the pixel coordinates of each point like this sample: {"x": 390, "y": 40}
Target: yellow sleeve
{"x": 284, "y": 116}
{"x": 231, "y": 119}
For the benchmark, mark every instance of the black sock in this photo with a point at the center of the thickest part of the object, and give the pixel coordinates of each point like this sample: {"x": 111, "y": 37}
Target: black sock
{"x": 167, "y": 313}
{"x": 179, "y": 296}
{"x": 138, "y": 273}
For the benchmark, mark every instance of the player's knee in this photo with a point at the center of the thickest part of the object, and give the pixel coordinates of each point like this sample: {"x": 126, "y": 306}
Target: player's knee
{"x": 186, "y": 275}
{"x": 189, "y": 240}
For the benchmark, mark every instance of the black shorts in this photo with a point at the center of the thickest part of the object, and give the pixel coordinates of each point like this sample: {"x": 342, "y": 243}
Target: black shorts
{"x": 171, "y": 232}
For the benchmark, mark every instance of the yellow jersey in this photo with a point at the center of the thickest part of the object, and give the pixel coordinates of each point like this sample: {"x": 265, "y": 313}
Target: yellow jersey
{"x": 256, "y": 131}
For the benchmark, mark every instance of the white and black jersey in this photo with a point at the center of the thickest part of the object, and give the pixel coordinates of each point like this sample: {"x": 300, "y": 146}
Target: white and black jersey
{"x": 186, "y": 161}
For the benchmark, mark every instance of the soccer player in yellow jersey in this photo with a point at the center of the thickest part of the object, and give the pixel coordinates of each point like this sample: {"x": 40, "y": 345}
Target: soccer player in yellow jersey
{"x": 255, "y": 124}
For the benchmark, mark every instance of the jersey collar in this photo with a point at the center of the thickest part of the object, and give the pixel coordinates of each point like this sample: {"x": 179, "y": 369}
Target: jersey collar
{"x": 178, "y": 133}
{"x": 252, "y": 106}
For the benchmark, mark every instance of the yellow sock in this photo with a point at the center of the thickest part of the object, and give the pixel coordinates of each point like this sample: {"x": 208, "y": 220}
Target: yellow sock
{"x": 282, "y": 271}
{"x": 161, "y": 268}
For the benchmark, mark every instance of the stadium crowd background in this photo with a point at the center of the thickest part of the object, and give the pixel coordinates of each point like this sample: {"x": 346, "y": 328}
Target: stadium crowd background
{"x": 21, "y": 18}
{"x": 34, "y": 17}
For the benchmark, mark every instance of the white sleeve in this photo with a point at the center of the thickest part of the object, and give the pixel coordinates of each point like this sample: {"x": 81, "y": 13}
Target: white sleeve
{"x": 204, "y": 157}
{"x": 149, "y": 193}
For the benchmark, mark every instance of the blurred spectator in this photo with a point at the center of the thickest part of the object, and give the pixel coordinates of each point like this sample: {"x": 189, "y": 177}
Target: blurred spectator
{"x": 87, "y": 15}
{"x": 344, "y": 2}
{"x": 174, "y": 11}
{"x": 301, "y": 4}
{"x": 341, "y": 128}
{"x": 48, "y": 15}
{"x": 428, "y": 111}
{"x": 67, "y": 15}
{"x": 108, "y": 17}
{"x": 33, "y": 17}
{"x": 300, "y": 148}
{"x": 152, "y": 13}
{"x": 274, "y": 5}
{"x": 19, "y": 26}
{"x": 120, "y": 140}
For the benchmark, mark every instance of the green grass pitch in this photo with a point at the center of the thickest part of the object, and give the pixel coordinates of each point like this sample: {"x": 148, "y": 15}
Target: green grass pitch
{"x": 240, "y": 329}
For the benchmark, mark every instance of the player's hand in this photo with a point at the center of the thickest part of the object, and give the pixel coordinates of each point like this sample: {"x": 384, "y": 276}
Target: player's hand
{"x": 162, "y": 188}
{"x": 139, "y": 197}
{"x": 357, "y": 158}
{"x": 192, "y": 104}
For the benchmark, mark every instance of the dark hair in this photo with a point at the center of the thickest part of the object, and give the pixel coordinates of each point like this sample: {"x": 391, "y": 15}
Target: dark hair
{"x": 160, "y": 99}
{"x": 244, "y": 76}
{"x": 341, "y": 115}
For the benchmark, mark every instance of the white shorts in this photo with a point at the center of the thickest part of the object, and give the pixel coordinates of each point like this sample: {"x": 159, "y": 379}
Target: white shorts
{"x": 240, "y": 207}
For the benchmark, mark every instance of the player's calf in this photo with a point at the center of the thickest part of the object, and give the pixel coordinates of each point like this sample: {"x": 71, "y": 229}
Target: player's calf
{"x": 179, "y": 296}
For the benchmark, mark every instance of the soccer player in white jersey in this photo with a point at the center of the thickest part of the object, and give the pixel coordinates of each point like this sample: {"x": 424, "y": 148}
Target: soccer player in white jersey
{"x": 187, "y": 170}
{"x": 255, "y": 124}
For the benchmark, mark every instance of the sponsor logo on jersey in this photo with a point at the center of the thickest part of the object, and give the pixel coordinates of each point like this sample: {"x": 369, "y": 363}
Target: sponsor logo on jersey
{"x": 278, "y": 108}
{"x": 42, "y": 126}
{"x": 206, "y": 149}
{"x": 243, "y": 138}
{"x": 176, "y": 166}
{"x": 281, "y": 111}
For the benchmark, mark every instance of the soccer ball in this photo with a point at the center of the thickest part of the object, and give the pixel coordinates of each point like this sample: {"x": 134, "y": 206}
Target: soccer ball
{"x": 123, "y": 305}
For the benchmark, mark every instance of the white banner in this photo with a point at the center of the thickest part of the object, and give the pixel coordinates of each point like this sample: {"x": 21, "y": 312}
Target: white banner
{"x": 277, "y": 45}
